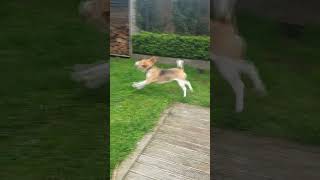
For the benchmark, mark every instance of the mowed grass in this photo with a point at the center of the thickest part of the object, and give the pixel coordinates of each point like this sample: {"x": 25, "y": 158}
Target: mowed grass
{"x": 133, "y": 112}
{"x": 50, "y": 126}
{"x": 291, "y": 72}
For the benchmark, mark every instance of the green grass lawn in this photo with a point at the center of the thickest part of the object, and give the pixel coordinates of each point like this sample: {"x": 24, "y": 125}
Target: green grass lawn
{"x": 135, "y": 112}
{"x": 291, "y": 71}
{"x": 50, "y": 127}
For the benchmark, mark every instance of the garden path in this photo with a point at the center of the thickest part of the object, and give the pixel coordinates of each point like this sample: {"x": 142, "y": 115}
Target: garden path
{"x": 240, "y": 156}
{"x": 177, "y": 149}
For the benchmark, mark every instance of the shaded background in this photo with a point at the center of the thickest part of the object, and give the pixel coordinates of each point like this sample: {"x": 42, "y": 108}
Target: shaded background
{"x": 50, "y": 126}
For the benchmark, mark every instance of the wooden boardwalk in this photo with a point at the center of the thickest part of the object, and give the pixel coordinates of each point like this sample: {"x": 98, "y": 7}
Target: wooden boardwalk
{"x": 177, "y": 149}
{"x": 239, "y": 156}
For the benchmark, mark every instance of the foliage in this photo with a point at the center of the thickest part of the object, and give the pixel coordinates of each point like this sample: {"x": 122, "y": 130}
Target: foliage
{"x": 170, "y": 45}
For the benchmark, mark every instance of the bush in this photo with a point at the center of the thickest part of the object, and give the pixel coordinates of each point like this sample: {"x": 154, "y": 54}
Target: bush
{"x": 170, "y": 45}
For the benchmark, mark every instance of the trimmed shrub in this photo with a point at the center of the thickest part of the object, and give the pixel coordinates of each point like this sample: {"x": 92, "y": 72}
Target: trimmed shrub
{"x": 171, "y": 45}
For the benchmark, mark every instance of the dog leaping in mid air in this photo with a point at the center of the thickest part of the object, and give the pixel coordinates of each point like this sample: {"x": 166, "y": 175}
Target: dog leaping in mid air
{"x": 160, "y": 76}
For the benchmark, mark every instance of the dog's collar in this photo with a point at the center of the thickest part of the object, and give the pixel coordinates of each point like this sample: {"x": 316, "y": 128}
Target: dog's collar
{"x": 147, "y": 70}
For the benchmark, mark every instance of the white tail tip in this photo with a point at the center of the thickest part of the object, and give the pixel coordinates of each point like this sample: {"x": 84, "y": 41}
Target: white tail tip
{"x": 180, "y": 63}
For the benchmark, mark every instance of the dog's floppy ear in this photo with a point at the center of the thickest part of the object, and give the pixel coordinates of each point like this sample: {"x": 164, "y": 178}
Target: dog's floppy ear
{"x": 154, "y": 59}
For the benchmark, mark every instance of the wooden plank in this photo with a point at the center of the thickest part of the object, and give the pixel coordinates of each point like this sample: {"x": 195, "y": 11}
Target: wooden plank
{"x": 182, "y": 132}
{"x": 183, "y": 143}
{"x": 183, "y": 105}
{"x": 170, "y": 156}
{"x": 194, "y": 137}
{"x": 181, "y": 120}
{"x": 190, "y": 117}
{"x": 195, "y": 110}
{"x": 191, "y": 139}
{"x": 174, "y": 167}
{"x": 135, "y": 176}
{"x": 189, "y": 127}
{"x": 196, "y": 131}
{"x": 162, "y": 145}
{"x": 191, "y": 110}
{"x": 192, "y": 114}
{"x": 155, "y": 172}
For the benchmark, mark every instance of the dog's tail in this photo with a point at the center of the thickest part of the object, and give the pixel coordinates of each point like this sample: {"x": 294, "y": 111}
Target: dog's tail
{"x": 180, "y": 63}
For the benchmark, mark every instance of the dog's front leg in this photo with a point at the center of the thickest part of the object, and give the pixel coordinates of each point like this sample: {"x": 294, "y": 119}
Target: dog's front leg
{"x": 140, "y": 85}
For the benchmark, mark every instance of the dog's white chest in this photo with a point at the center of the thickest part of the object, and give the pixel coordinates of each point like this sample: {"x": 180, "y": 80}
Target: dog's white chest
{"x": 148, "y": 74}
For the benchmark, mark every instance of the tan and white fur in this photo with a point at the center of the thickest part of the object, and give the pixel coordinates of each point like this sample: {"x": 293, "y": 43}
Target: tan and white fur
{"x": 160, "y": 76}
{"x": 228, "y": 53}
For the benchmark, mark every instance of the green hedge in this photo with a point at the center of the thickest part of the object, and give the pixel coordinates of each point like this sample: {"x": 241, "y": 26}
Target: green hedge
{"x": 171, "y": 45}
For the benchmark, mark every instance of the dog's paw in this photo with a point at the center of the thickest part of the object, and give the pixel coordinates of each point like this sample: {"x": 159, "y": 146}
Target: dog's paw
{"x": 134, "y": 84}
{"x": 261, "y": 92}
{"x": 239, "y": 109}
{"x": 139, "y": 86}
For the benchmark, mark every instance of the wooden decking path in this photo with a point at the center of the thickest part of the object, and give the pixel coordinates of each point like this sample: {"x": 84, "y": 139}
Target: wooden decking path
{"x": 239, "y": 156}
{"x": 177, "y": 149}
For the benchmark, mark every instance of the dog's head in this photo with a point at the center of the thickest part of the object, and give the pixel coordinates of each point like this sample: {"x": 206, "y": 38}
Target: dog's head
{"x": 145, "y": 64}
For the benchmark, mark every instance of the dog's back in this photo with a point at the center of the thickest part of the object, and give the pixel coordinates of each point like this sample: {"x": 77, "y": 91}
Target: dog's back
{"x": 173, "y": 73}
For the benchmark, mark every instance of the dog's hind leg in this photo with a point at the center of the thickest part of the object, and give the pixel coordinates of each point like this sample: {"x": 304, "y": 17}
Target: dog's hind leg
{"x": 238, "y": 88}
{"x": 189, "y": 85}
{"x": 230, "y": 71}
{"x": 182, "y": 84}
{"x": 250, "y": 70}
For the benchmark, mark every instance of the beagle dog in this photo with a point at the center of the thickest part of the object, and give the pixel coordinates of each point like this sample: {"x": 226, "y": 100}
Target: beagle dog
{"x": 160, "y": 76}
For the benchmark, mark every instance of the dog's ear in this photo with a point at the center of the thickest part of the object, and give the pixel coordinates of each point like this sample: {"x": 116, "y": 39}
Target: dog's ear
{"x": 154, "y": 59}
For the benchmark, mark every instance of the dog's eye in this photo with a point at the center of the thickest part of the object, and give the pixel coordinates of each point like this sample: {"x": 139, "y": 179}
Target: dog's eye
{"x": 144, "y": 65}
